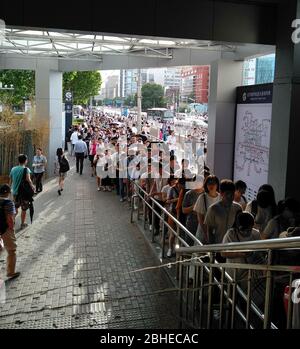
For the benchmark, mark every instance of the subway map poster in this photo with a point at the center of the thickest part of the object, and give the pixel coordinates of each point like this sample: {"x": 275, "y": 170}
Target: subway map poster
{"x": 252, "y": 136}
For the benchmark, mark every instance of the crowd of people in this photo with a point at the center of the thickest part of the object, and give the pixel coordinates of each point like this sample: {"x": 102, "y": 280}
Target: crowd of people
{"x": 174, "y": 175}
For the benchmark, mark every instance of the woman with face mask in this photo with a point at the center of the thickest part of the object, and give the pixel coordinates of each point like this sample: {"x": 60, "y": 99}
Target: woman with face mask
{"x": 263, "y": 208}
{"x": 288, "y": 210}
{"x": 242, "y": 232}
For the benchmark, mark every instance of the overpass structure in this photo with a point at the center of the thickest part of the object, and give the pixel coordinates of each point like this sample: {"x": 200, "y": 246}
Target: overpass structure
{"x": 58, "y": 37}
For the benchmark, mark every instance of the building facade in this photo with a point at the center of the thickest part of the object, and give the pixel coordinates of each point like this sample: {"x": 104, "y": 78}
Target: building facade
{"x": 112, "y": 87}
{"x": 195, "y": 84}
{"x": 259, "y": 70}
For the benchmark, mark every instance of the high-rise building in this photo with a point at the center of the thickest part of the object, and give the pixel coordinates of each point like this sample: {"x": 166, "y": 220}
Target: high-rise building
{"x": 195, "y": 84}
{"x": 172, "y": 77}
{"x": 249, "y": 72}
{"x": 129, "y": 82}
{"x": 112, "y": 87}
{"x": 259, "y": 70}
{"x": 128, "y": 79}
{"x": 264, "y": 72}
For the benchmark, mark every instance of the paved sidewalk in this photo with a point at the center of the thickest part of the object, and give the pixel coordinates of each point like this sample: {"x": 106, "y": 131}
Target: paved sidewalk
{"x": 76, "y": 261}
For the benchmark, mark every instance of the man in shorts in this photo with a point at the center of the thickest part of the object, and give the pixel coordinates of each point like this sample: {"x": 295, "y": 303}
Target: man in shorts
{"x": 16, "y": 177}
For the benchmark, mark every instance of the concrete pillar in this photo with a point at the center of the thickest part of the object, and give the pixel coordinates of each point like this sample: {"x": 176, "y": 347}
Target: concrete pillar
{"x": 48, "y": 87}
{"x": 225, "y": 76}
{"x": 285, "y": 140}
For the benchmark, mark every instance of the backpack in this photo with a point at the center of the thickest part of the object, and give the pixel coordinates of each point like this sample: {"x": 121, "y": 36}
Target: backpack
{"x": 64, "y": 165}
{"x": 25, "y": 191}
{"x": 3, "y": 220}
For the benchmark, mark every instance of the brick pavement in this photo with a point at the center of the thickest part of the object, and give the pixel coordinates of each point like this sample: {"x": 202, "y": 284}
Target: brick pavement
{"x": 76, "y": 260}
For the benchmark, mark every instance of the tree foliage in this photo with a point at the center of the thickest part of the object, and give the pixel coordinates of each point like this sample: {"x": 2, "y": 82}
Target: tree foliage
{"x": 23, "y": 82}
{"x": 83, "y": 85}
{"x": 131, "y": 100}
{"x": 152, "y": 96}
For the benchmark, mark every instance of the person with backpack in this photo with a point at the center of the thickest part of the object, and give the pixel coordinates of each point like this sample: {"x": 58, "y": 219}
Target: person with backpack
{"x": 221, "y": 215}
{"x": 61, "y": 167}
{"x": 210, "y": 196}
{"x": 22, "y": 187}
{"x": 7, "y": 234}
{"x": 172, "y": 201}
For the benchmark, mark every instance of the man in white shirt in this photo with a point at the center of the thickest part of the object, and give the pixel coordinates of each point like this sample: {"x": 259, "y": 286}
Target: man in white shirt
{"x": 171, "y": 141}
{"x": 74, "y": 140}
{"x": 81, "y": 152}
{"x": 134, "y": 129}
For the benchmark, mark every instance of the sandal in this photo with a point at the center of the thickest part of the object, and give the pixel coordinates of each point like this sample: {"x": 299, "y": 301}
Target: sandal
{"x": 13, "y": 276}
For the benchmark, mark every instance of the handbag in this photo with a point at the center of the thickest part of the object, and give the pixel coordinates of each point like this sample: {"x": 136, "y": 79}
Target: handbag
{"x": 25, "y": 190}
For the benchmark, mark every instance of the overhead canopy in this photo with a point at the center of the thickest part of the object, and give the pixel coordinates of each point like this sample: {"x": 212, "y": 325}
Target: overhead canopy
{"x": 46, "y": 43}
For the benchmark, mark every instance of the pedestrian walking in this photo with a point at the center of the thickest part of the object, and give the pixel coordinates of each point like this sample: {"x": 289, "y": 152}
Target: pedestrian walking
{"x": 81, "y": 152}
{"x": 39, "y": 165}
{"x": 74, "y": 139}
{"x": 22, "y": 187}
{"x": 7, "y": 223}
{"x": 61, "y": 167}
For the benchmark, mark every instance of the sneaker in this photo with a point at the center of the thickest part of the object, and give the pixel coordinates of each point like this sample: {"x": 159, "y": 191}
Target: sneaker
{"x": 24, "y": 225}
{"x": 169, "y": 253}
{"x": 59, "y": 192}
{"x": 14, "y": 275}
{"x": 98, "y": 189}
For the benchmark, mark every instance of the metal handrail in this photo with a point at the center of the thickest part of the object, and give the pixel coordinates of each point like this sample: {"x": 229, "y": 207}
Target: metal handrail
{"x": 265, "y": 245}
{"x": 260, "y": 245}
{"x": 166, "y": 212}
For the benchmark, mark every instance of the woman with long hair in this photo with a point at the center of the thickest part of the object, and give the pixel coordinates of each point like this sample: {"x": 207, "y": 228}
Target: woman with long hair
{"x": 264, "y": 207}
{"x": 61, "y": 167}
{"x": 210, "y": 196}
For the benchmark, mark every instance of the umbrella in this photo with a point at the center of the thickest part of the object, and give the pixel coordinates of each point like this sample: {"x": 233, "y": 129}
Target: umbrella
{"x": 31, "y": 210}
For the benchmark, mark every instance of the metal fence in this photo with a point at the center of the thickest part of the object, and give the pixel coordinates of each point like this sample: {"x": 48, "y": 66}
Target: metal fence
{"x": 141, "y": 199}
{"x": 259, "y": 293}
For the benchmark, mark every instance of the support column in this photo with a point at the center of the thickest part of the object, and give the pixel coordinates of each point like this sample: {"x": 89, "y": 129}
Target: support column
{"x": 285, "y": 140}
{"x": 48, "y": 87}
{"x": 225, "y": 76}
